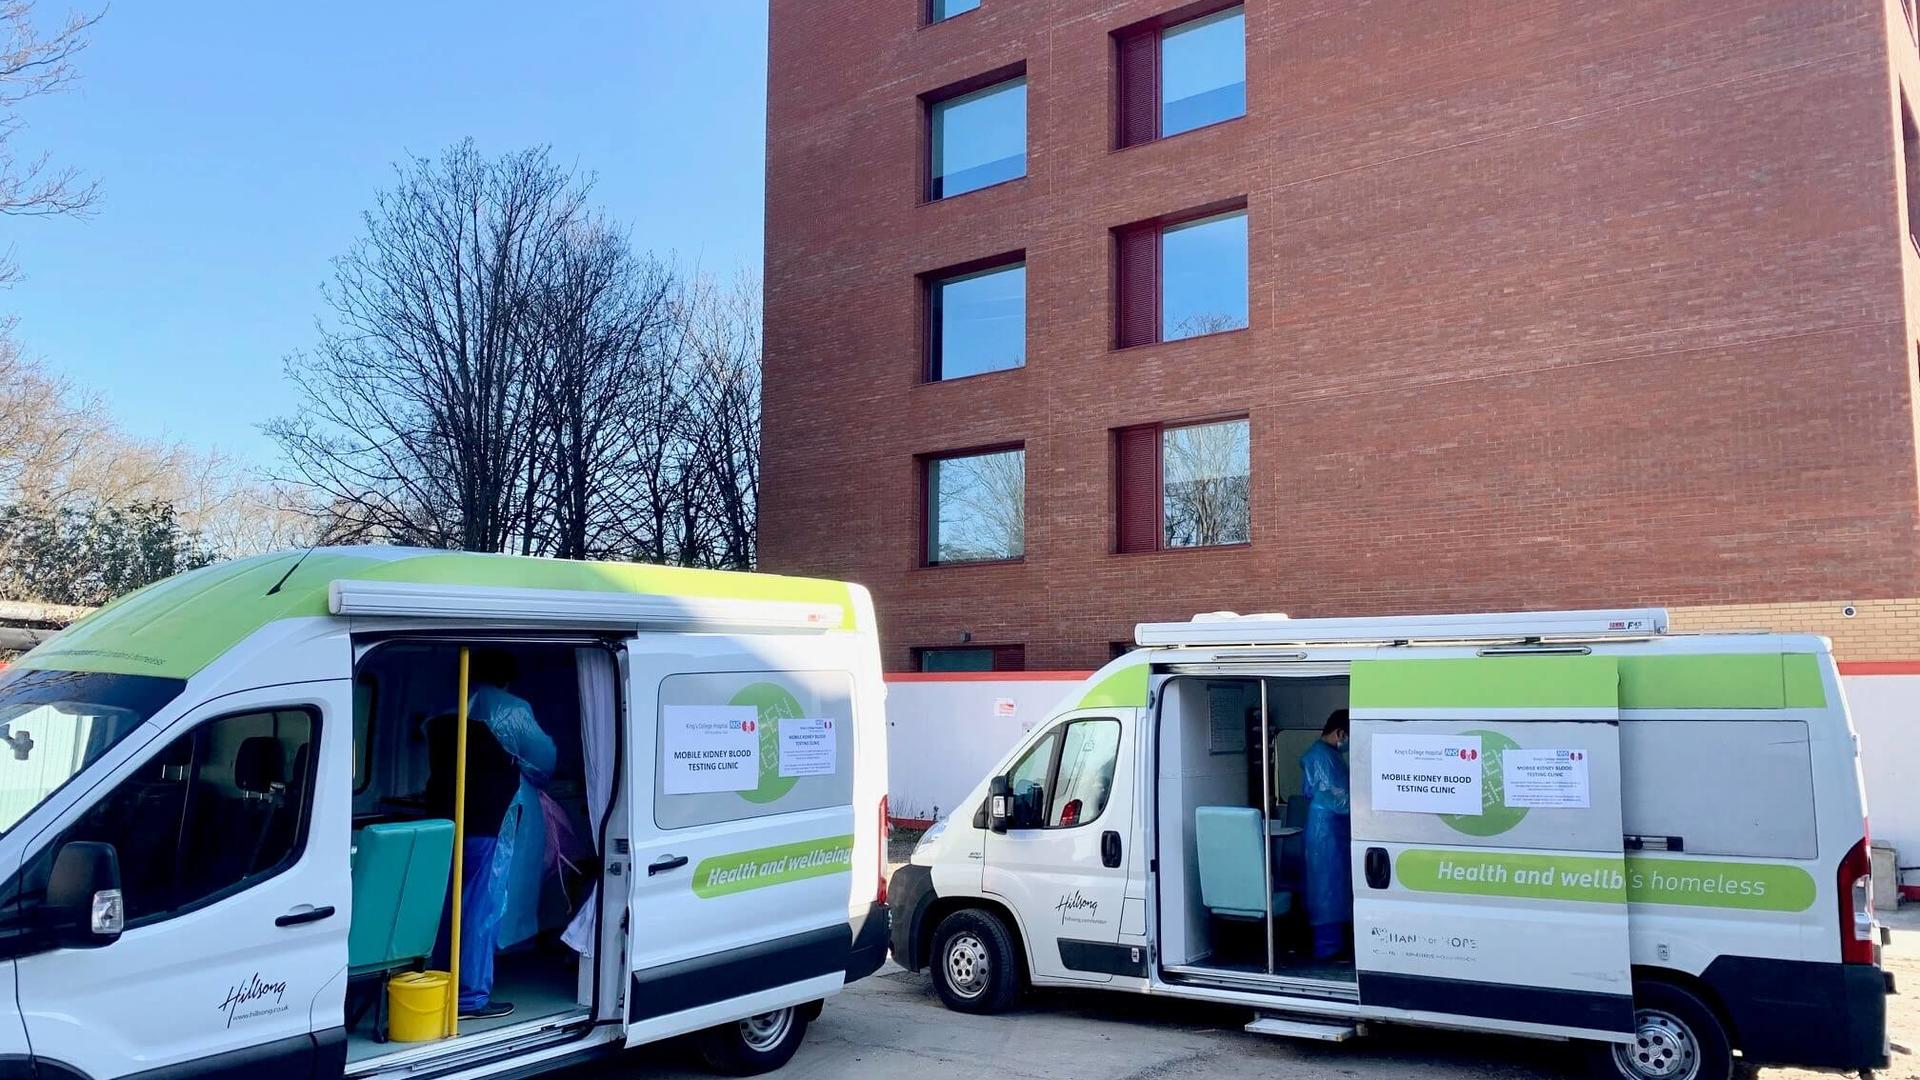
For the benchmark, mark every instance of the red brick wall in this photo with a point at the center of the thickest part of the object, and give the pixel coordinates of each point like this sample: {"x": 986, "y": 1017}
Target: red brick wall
{"x": 1552, "y": 303}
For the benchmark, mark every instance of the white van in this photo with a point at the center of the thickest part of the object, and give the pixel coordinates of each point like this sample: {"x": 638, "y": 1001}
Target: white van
{"x": 225, "y": 824}
{"x": 1567, "y": 825}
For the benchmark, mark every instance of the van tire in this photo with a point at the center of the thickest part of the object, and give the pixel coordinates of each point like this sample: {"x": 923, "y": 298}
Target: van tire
{"x": 1669, "y": 1021}
{"x": 755, "y": 1044}
{"x": 976, "y": 969}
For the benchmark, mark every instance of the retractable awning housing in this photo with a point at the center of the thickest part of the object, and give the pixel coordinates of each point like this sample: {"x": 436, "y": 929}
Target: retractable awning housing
{"x": 577, "y": 608}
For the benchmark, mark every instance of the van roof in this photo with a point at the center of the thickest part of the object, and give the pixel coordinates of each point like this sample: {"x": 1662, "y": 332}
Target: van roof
{"x": 177, "y": 626}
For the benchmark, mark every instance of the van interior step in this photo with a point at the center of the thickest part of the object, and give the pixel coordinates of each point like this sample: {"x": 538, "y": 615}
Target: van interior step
{"x": 1289, "y": 1027}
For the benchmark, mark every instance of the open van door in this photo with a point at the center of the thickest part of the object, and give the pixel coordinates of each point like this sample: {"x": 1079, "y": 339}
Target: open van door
{"x": 740, "y": 812}
{"x": 1489, "y": 875}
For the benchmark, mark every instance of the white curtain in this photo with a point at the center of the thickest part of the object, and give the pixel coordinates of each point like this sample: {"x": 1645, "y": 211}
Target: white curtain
{"x": 597, "y": 672}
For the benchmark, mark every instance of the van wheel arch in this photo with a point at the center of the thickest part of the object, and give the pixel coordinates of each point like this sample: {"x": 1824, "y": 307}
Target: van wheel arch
{"x": 978, "y": 964}
{"x": 1674, "y": 994}
{"x": 1692, "y": 984}
{"x": 938, "y": 911}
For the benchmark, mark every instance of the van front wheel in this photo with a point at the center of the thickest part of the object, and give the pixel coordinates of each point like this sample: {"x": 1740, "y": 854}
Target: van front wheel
{"x": 975, "y": 968}
{"x": 1676, "y": 1037}
{"x": 754, "y": 1045}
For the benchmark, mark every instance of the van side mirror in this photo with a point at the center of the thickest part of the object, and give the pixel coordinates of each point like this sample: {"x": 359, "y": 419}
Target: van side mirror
{"x": 84, "y": 909}
{"x": 999, "y": 804}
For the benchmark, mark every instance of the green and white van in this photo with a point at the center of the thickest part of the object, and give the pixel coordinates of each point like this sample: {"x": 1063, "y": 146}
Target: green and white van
{"x": 228, "y": 807}
{"x": 1568, "y": 825}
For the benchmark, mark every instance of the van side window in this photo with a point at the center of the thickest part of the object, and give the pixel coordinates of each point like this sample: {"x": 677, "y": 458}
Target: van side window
{"x": 1064, "y": 781}
{"x": 1028, "y": 782}
{"x": 1088, "y": 756}
{"x": 219, "y": 809}
{"x": 751, "y": 744}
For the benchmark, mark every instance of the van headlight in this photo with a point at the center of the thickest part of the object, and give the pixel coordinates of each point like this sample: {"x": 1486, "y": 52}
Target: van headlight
{"x": 933, "y": 833}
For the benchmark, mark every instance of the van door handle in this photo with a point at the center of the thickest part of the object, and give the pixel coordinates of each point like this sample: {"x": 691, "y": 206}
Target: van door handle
{"x": 312, "y": 914}
{"x": 1110, "y": 849}
{"x": 1379, "y": 868}
{"x": 665, "y": 863}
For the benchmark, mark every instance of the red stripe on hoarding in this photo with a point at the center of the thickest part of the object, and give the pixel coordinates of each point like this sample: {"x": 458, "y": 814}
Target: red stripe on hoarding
{"x": 986, "y": 676}
{"x": 1880, "y": 667}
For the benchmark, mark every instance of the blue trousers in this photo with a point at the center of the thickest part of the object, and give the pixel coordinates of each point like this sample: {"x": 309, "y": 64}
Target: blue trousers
{"x": 486, "y": 863}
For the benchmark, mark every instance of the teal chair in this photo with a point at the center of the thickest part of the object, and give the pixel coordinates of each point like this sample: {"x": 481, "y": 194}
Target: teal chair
{"x": 400, "y": 875}
{"x": 1232, "y": 854}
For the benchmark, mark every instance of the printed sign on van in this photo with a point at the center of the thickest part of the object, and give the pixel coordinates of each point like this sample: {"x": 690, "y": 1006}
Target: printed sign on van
{"x": 1427, "y": 774}
{"x": 808, "y": 747}
{"x": 1545, "y": 778}
{"x": 709, "y": 748}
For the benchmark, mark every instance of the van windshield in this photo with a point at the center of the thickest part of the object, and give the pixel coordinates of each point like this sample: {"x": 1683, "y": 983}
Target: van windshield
{"x": 53, "y": 724}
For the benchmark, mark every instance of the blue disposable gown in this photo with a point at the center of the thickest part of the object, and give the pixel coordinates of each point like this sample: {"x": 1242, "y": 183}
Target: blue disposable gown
{"x": 518, "y": 863}
{"x": 1324, "y": 782}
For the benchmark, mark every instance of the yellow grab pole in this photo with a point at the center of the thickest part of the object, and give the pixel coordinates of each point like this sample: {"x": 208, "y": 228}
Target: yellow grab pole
{"x": 459, "y": 844}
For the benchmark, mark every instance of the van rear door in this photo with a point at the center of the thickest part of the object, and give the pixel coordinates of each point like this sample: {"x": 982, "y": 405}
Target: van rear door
{"x": 741, "y": 757}
{"x": 1488, "y": 864}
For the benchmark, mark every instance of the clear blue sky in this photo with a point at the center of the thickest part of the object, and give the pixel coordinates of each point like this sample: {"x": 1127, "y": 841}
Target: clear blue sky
{"x": 237, "y": 143}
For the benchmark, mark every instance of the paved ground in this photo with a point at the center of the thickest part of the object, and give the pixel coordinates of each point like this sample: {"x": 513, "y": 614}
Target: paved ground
{"x": 892, "y": 1027}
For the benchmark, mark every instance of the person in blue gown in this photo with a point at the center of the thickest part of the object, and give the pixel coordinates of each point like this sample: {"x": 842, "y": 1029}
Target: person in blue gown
{"x": 1329, "y": 834}
{"x": 508, "y": 755}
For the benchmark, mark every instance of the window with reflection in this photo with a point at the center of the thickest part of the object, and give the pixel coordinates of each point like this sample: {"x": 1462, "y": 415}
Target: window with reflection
{"x": 978, "y": 321}
{"x": 1203, "y": 277}
{"x": 976, "y": 507}
{"x": 1183, "y": 485}
{"x": 941, "y": 10}
{"x": 1173, "y": 77}
{"x": 1203, "y": 486}
{"x": 1203, "y": 71}
{"x": 978, "y": 139}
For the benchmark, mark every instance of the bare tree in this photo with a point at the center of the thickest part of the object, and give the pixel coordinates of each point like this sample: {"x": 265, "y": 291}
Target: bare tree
{"x": 58, "y": 442}
{"x": 503, "y": 371}
{"x": 33, "y": 64}
{"x": 423, "y": 409}
{"x": 722, "y": 338}
{"x": 595, "y": 334}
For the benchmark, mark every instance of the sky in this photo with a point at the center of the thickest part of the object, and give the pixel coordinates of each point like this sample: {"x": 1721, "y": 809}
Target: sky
{"x": 236, "y": 145}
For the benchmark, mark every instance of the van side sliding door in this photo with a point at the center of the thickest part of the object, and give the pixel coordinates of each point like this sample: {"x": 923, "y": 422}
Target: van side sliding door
{"x": 741, "y": 755}
{"x": 1489, "y": 875}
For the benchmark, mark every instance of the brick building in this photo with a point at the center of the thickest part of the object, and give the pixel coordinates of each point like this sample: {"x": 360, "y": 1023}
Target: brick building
{"x": 1083, "y": 313}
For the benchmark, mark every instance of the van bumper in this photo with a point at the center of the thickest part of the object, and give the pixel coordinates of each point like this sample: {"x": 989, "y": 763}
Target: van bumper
{"x": 910, "y": 894}
{"x": 1797, "y": 1012}
{"x": 869, "y": 942}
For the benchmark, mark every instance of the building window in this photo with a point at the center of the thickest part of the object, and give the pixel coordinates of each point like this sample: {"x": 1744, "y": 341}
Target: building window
{"x": 942, "y": 10}
{"x": 1181, "y": 76}
{"x": 971, "y": 658}
{"x": 1181, "y": 280}
{"x": 1182, "y": 486}
{"x": 977, "y": 319}
{"x": 1910, "y": 161}
{"x": 977, "y": 138}
{"x": 976, "y": 507}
